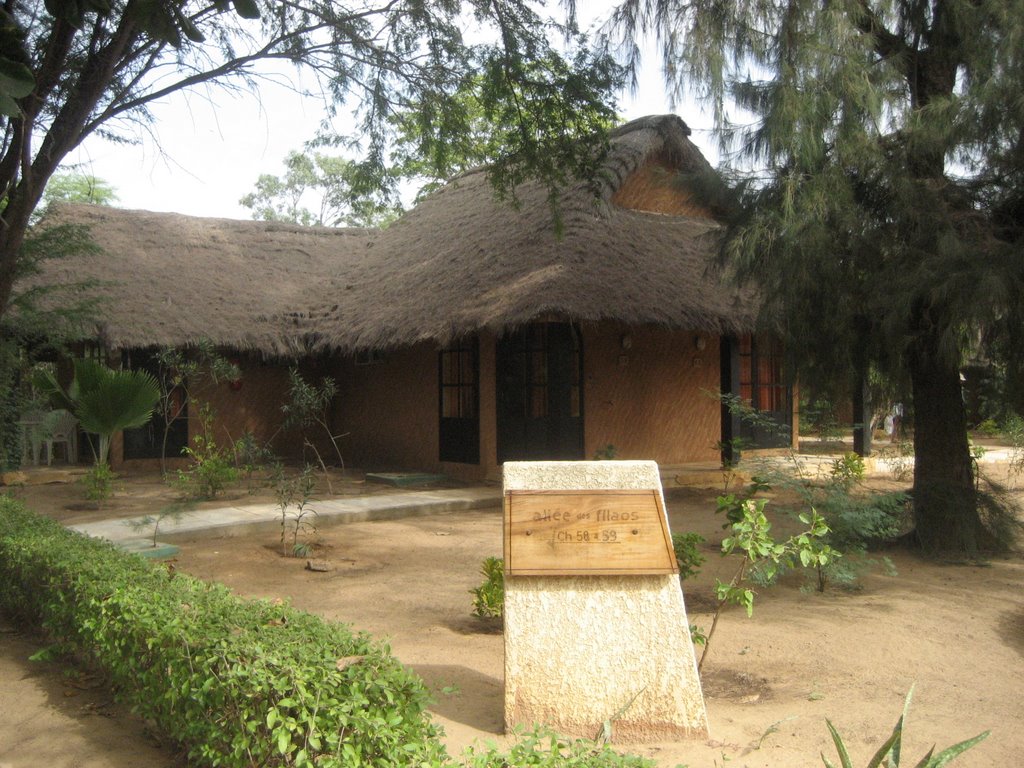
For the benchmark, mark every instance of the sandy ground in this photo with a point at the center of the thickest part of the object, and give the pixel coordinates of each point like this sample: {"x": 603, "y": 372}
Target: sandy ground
{"x": 954, "y": 631}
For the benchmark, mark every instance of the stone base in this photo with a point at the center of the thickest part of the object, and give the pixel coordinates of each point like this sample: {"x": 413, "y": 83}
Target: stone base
{"x": 586, "y": 652}
{"x": 582, "y": 651}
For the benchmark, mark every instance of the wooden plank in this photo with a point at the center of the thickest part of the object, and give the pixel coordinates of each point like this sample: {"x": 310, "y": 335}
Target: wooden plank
{"x": 596, "y": 533}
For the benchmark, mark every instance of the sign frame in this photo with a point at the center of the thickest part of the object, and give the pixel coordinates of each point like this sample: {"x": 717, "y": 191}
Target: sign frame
{"x": 539, "y": 541}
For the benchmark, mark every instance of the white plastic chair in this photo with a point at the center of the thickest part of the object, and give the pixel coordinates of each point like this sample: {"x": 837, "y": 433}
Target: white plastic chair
{"x": 62, "y": 427}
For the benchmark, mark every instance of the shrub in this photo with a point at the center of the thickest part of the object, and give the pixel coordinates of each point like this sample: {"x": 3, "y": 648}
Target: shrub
{"x": 489, "y": 597}
{"x": 989, "y": 428}
{"x": 212, "y": 468}
{"x": 688, "y": 554}
{"x": 99, "y": 482}
{"x": 236, "y": 682}
{"x": 294, "y": 495}
{"x": 542, "y": 747}
{"x": 847, "y": 470}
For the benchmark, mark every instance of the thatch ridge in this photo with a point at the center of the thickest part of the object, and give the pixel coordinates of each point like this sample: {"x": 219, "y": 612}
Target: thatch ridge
{"x": 462, "y": 261}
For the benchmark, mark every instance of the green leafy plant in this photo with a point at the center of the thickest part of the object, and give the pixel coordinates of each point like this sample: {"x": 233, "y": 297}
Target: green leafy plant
{"x": 751, "y": 539}
{"x": 687, "y": 548}
{"x": 856, "y": 524}
{"x": 99, "y": 483}
{"x": 819, "y": 416}
{"x": 310, "y": 405}
{"x": 899, "y": 457}
{"x": 889, "y": 755}
{"x": 856, "y": 520}
{"x": 847, "y": 471}
{"x": 104, "y": 400}
{"x": 251, "y": 456}
{"x": 212, "y": 468}
{"x": 543, "y": 748}
{"x": 172, "y": 512}
{"x": 989, "y": 428}
{"x": 1013, "y": 430}
{"x": 285, "y": 688}
{"x": 182, "y": 373}
{"x": 489, "y": 597}
{"x": 294, "y": 496}
{"x": 605, "y": 453}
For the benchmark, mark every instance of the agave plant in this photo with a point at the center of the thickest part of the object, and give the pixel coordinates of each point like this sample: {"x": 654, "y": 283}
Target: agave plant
{"x": 104, "y": 400}
{"x": 890, "y": 753}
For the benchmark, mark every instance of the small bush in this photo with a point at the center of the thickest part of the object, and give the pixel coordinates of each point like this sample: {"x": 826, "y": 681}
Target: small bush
{"x": 847, "y": 471}
{"x": 688, "y": 554}
{"x": 236, "y": 682}
{"x": 489, "y": 597}
{"x": 99, "y": 482}
{"x": 212, "y": 469}
{"x": 989, "y": 428}
{"x": 542, "y": 747}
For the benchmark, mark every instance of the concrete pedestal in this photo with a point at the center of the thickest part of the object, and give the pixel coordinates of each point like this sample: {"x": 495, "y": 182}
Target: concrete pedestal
{"x": 583, "y": 651}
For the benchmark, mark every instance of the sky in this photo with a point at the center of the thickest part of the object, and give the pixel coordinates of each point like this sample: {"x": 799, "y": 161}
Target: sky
{"x": 207, "y": 149}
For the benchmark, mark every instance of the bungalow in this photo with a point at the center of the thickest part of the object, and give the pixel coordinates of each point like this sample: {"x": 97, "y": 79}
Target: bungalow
{"x": 469, "y": 332}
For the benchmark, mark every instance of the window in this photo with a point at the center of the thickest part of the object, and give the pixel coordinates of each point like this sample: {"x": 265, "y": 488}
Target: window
{"x": 761, "y": 380}
{"x": 459, "y": 386}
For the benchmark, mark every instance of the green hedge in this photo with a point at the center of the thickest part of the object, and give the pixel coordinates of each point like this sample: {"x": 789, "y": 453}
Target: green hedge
{"x": 236, "y": 682}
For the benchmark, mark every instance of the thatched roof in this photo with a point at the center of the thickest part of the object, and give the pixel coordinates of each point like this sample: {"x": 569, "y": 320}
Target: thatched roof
{"x": 170, "y": 280}
{"x": 460, "y": 262}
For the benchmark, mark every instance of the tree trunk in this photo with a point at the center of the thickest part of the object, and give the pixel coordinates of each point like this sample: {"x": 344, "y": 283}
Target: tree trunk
{"x": 945, "y": 504}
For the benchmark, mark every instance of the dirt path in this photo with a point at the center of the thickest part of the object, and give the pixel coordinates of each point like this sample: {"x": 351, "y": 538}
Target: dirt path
{"x": 957, "y": 632}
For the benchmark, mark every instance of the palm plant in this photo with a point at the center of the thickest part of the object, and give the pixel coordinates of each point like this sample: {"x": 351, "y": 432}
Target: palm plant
{"x": 104, "y": 400}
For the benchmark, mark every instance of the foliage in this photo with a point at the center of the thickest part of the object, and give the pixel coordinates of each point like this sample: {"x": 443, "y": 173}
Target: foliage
{"x": 1013, "y": 429}
{"x": 542, "y": 747}
{"x": 43, "y": 319}
{"x": 78, "y": 188}
{"x": 688, "y": 555}
{"x": 847, "y": 471}
{"x": 235, "y": 682}
{"x": 751, "y": 538}
{"x": 294, "y": 495}
{"x": 332, "y": 183}
{"x": 989, "y": 428}
{"x": 900, "y": 459}
{"x": 857, "y": 521}
{"x": 310, "y": 405}
{"x": 879, "y": 174}
{"x": 172, "y": 512}
{"x": 489, "y": 597}
{"x": 251, "y": 456}
{"x": 104, "y": 400}
{"x": 731, "y": 450}
{"x": 605, "y": 453}
{"x": 184, "y": 373}
{"x": 819, "y": 416}
{"x": 12, "y": 404}
{"x": 212, "y": 468}
{"x": 96, "y": 68}
{"x": 890, "y": 753}
{"x": 856, "y": 524}
{"x": 99, "y": 482}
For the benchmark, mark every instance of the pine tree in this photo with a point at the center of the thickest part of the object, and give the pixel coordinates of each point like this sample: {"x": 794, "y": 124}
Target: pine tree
{"x": 879, "y": 203}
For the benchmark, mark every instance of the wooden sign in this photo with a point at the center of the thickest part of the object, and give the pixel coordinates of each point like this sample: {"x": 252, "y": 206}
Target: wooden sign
{"x": 597, "y": 533}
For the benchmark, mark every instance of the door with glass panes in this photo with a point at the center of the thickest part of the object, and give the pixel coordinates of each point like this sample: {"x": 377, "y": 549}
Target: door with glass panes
{"x": 539, "y": 393}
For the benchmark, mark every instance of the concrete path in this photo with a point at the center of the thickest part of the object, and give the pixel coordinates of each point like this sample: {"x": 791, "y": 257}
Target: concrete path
{"x": 234, "y": 520}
